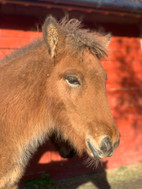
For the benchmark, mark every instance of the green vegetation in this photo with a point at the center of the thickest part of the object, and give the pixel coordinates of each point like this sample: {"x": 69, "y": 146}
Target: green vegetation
{"x": 40, "y": 183}
{"x": 122, "y": 168}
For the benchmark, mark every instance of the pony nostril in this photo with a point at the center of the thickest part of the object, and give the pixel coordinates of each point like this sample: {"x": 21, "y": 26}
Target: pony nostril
{"x": 106, "y": 145}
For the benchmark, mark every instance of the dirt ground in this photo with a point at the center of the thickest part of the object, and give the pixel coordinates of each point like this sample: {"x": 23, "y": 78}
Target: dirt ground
{"x": 129, "y": 177}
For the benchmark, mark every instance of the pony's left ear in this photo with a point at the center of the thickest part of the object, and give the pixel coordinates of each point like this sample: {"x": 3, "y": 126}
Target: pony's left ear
{"x": 107, "y": 40}
{"x": 51, "y": 34}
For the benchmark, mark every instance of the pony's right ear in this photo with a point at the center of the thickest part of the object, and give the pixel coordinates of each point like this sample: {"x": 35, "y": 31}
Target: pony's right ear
{"x": 107, "y": 39}
{"x": 51, "y": 34}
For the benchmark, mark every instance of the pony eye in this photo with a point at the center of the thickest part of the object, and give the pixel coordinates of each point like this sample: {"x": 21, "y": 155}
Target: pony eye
{"x": 72, "y": 80}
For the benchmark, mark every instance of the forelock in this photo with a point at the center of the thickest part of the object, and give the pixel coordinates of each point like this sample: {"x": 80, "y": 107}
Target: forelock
{"x": 78, "y": 38}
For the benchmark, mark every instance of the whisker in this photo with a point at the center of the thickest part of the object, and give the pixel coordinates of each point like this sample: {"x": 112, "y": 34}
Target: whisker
{"x": 90, "y": 162}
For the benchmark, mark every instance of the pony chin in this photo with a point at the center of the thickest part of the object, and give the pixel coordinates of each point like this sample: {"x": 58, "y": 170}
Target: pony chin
{"x": 71, "y": 137}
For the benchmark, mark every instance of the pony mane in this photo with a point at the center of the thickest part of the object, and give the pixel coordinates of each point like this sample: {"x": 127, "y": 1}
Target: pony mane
{"x": 23, "y": 50}
{"x": 81, "y": 38}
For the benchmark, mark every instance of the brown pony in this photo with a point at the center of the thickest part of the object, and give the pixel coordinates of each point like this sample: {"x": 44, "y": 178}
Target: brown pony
{"x": 54, "y": 84}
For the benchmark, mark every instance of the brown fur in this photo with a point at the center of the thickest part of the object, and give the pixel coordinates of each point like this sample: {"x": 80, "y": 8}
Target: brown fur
{"x": 37, "y": 99}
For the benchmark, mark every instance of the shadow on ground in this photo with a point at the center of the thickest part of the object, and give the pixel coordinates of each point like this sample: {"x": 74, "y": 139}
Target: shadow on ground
{"x": 64, "y": 169}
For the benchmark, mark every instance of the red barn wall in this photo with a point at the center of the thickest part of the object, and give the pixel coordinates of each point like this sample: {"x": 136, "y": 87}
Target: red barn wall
{"x": 124, "y": 86}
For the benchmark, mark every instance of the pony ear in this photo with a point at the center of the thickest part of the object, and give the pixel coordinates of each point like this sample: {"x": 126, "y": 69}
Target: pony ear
{"x": 107, "y": 40}
{"x": 51, "y": 34}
